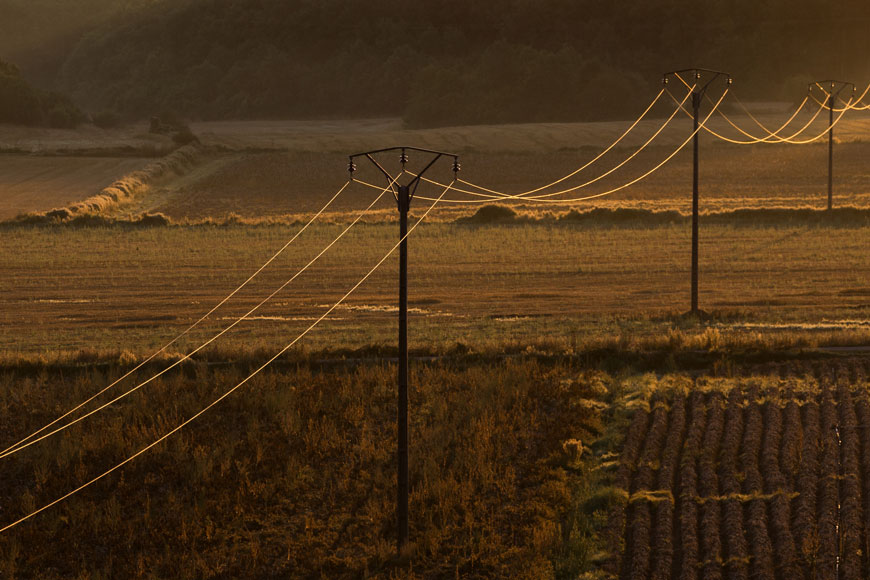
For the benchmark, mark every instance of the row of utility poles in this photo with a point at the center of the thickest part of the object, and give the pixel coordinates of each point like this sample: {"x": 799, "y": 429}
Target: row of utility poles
{"x": 404, "y": 194}
{"x": 703, "y": 79}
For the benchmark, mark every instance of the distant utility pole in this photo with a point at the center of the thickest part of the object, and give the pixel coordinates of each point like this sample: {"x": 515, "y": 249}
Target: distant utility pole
{"x": 698, "y": 75}
{"x": 403, "y": 194}
{"x": 836, "y": 87}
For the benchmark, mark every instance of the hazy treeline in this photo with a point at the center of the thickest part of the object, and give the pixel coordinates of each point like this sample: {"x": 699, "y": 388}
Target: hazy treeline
{"x": 450, "y": 61}
{"x": 22, "y": 104}
{"x": 37, "y": 35}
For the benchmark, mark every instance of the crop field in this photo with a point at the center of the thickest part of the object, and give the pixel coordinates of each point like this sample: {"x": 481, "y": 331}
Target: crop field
{"x": 763, "y": 476}
{"x": 568, "y": 418}
{"x": 295, "y": 478}
{"x": 72, "y": 289}
{"x": 284, "y": 168}
{"x": 36, "y": 183}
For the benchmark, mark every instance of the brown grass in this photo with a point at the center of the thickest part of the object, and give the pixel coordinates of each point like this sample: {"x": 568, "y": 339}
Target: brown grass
{"x": 296, "y": 476}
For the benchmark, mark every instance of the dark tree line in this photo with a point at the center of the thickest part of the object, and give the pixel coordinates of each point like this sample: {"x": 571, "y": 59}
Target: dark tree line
{"x": 451, "y": 61}
{"x": 21, "y": 104}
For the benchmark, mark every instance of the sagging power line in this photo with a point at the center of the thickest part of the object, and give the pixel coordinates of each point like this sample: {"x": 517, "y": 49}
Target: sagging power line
{"x": 42, "y": 435}
{"x": 230, "y": 391}
{"x": 21, "y": 443}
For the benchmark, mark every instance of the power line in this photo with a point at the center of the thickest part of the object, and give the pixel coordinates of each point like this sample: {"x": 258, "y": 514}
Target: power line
{"x": 597, "y": 195}
{"x": 9, "y": 450}
{"x": 603, "y": 175}
{"x": 491, "y": 194}
{"x": 33, "y": 441}
{"x": 846, "y": 105}
{"x": 789, "y": 140}
{"x": 501, "y": 196}
{"x": 237, "y": 386}
{"x": 772, "y": 136}
{"x": 588, "y": 164}
{"x": 765, "y": 129}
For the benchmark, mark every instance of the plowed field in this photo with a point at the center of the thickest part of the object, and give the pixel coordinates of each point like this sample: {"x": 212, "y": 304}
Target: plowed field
{"x": 766, "y": 476}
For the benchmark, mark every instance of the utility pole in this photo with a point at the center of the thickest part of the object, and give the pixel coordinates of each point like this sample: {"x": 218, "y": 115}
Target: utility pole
{"x": 697, "y": 97}
{"x": 836, "y": 87}
{"x": 403, "y": 194}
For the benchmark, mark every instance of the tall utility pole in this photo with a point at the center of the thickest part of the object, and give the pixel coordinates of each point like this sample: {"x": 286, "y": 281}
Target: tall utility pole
{"x": 836, "y": 87}
{"x": 698, "y": 92}
{"x": 403, "y": 194}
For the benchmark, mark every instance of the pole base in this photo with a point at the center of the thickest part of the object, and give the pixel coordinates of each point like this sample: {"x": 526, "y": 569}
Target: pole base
{"x": 699, "y": 315}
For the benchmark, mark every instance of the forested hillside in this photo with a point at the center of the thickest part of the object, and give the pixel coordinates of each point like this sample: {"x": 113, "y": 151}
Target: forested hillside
{"x": 450, "y": 61}
{"x": 21, "y": 104}
{"x": 37, "y": 35}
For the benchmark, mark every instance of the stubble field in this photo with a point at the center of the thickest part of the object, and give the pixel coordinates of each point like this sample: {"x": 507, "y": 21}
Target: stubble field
{"x": 562, "y": 405}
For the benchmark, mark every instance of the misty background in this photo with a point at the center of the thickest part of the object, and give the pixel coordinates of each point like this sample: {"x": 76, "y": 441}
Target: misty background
{"x": 430, "y": 62}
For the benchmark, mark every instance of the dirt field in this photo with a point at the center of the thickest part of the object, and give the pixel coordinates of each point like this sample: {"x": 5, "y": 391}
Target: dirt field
{"x": 32, "y": 183}
{"x": 275, "y": 168}
{"x": 761, "y": 477}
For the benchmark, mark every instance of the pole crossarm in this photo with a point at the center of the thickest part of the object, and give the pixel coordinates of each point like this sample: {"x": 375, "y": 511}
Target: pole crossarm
{"x": 833, "y": 84}
{"x": 697, "y": 73}
{"x": 836, "y": 87}
{"x": 403, "y": 159}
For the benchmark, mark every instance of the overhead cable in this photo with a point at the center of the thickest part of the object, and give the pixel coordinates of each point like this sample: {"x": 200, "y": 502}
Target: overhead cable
{"x": 187, "y": 356}
{"x": 587, "y": 165}
{"x": 791, "y": 139}
{"x": 599, "y": 177}
{"x": 9, "y": 449}
{"x": 501, "y": 196}
{"x": 846, "y": 105}
{"x": 772, "y": 137}
{"x": 543, "y": 199}
{"x": 237, "y": 386}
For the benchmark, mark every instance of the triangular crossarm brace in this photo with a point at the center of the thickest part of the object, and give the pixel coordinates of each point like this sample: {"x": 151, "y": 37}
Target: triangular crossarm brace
{"x": 697, "y": 73}
{"x": 832, "y": 94}
{"x": 412, "y": 185}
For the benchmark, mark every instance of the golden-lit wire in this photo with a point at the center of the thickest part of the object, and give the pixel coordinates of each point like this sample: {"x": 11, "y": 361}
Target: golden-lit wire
{"x": 226, "y": 394}
{"x": 9, "y": 450}
{"x": 582, "y": 168}
{"x": 187, "y": 356}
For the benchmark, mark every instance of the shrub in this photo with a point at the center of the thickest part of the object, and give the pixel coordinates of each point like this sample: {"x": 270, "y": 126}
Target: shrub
{"x": 107, "y": 119}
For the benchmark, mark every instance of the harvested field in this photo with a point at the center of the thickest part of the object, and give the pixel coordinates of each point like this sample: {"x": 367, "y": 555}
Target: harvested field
{"x": 350, "y": 136}
{"x": 255, "y": 185}
{"x": 36, "y": 183}
{"x": 772, "y": 477}
{"x": 81, "y": 288}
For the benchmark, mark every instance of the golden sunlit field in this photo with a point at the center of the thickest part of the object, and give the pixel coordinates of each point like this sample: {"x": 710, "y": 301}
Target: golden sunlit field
{"x": 559, "y": 394}
{"x": 624, "y": 333}
{"x": 31, "y": 183}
